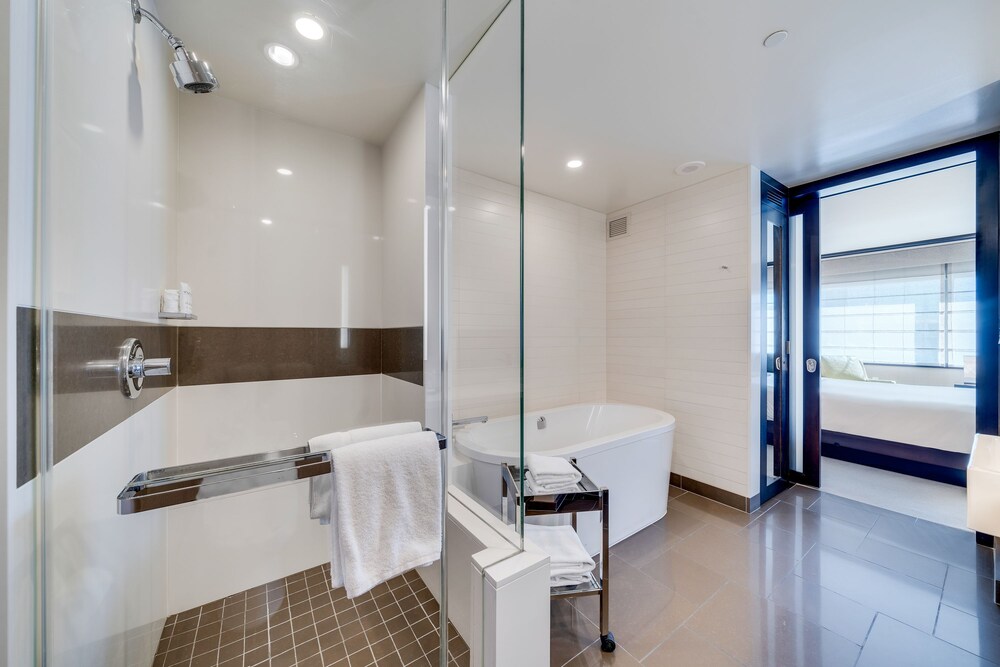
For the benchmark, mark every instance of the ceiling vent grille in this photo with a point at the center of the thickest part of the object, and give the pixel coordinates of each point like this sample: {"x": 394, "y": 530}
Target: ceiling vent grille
{"x": 618, "y": 227}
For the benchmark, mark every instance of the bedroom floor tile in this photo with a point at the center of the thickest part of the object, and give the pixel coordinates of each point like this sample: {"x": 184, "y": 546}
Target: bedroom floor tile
{"x": 810, "y": 578}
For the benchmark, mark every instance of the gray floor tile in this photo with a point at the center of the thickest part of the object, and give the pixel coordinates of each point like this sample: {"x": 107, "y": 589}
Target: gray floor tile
{"x": 810, "y": 527}
{"x": 679, "y": 573}
{"x": 678, "y": 523}
{"x": 801, "y": 496}
{"x": 847, "y": 510}
{"x": 904, "y": 561}
{"x": 711, "y": 512}
{"x": 571, "y": 632}
{"x": 943, "y": 543}
{"x": 756, "y": 631}
{"x": 895, "y": 644}
{"x": 684, "y": 649}
{"x": 644, "y": 546}
{"x": 643, "y": 611}
{"x": 969, "y": 632}
{"x": 824, "y": 607}
{"x": 736, "y": 557}
{"x": 592, "y": 657}
{"x": 675, "y": 491}
{"x": 971, "y": 593}
{"x": 873, "y": 586}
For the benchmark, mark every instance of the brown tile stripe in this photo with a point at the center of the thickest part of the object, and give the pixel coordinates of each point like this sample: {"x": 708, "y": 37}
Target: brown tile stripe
{"x": 713, "y": 492}
{"x": 403, "y": 353}
{"x": 214, "y": 355}
{"x": 86, "y": 399}
{"x": 299, "y": 620}
{"x": 87, "y": 402}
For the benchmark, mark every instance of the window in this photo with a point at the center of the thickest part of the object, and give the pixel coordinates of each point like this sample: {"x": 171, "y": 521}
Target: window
{"x": 909, "y": 306}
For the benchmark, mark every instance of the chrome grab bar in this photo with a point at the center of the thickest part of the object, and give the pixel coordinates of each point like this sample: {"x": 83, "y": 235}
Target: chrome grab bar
{"x": 182, "y": 484}
{"x": 482, "y": 419}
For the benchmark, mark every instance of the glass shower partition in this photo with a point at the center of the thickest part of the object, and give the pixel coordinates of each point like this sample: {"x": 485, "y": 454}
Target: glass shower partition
{"x": 267, "y": 245}
{"x": 486, "y": 254}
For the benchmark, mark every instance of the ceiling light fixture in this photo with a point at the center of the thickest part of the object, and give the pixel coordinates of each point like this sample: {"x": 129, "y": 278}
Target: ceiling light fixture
{"x": 310, "y": 28}
{"x": 284, "y": 171}
{"x": 776, "y": 38}
{"x": 689, "y": 167}
{"x": 574, "y": 164}
{"x": 266, "y": 221}
{"x": 282, "y": 55}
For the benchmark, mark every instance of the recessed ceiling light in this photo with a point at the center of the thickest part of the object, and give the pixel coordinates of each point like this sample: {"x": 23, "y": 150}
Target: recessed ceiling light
{"x": 282, "y": 55}
{"x": 309, "y": 27}
{"x": 776, "y": 38}
{"x": 284, "y": 171}
{"x": 574, "y": 164}
{"x": 690, "y": 167}
{"x": 266, "y": 221}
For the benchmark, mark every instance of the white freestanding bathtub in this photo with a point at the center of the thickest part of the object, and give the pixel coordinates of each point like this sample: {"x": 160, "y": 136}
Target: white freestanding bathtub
{"x": 626, "y": 448}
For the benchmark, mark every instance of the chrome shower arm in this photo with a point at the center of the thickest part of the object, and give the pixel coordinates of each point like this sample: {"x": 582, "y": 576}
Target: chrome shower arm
{"x": 138, "y": 12}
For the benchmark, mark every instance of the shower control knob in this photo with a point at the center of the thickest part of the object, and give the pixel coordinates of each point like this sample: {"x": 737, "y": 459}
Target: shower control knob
{"x": 133, "y": 366}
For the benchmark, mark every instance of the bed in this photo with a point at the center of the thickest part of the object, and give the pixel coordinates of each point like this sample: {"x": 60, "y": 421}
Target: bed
{"x": 919, "y": 430}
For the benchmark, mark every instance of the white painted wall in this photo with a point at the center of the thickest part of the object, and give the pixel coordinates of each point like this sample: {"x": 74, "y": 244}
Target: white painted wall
{"x": 678, "y": 324}
{"x": 564, "y": 300}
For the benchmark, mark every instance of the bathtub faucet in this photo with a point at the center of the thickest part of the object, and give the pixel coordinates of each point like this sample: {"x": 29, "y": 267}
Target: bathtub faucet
{"x": 540, "y": 423}
{"x": 470, "y": 420}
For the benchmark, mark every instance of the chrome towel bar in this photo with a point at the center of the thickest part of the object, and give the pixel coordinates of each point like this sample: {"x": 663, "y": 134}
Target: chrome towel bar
{"x": 177, "y": 485}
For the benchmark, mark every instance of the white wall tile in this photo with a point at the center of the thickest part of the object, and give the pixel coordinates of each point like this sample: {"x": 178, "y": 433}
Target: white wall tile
{"x": 678, "y": 324}
{"x": 107, "y": 579}
{"x": 110, "y": 162}
{"x": 319, "y": 263}
{"x": 232, "y": 544}
{"x": 564, "y": 300}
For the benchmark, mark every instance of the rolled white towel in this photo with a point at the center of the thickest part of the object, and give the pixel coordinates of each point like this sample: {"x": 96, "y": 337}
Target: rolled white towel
{"x": 552, "y": 470}
{"x": 570, "y": 564}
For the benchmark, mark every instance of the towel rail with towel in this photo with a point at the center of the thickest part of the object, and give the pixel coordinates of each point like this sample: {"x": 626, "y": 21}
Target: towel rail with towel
{"x": 177, "y": 485}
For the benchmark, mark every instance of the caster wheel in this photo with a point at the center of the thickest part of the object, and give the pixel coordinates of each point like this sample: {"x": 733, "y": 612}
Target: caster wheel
{"x": 608, "y": 644}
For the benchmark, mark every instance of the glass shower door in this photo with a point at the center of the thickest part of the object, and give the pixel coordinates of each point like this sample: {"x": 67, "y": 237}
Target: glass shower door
{"x": 255, "y": 256}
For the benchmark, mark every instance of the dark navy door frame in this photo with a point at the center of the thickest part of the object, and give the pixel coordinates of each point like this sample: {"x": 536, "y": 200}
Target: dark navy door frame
{"x": 774, "y": 199}
{"x": 804, "y": 200}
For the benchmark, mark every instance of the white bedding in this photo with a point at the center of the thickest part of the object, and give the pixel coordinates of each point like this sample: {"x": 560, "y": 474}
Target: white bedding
{"x": 937, "y": 417}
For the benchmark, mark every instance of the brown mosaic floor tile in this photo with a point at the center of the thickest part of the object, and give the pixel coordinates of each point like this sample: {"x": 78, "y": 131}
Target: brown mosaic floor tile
{"x": 299, "y": 621}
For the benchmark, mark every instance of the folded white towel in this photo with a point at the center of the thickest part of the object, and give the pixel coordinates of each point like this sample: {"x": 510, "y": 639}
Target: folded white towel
{"x": 319, "y": 487}
{"x": 547, "y": 469}
{"x": 570, "y": 564}
{"x": 559, "y": 486}
{"x": 385, "y": 509}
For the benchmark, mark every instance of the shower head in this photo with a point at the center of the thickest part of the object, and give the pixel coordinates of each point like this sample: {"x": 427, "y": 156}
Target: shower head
{"x": 190, "y": 74}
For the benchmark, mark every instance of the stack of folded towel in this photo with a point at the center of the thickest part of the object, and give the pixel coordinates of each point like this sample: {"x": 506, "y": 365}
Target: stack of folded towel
{"x": 551, "y": 474}
{"x": 570, "y": 564}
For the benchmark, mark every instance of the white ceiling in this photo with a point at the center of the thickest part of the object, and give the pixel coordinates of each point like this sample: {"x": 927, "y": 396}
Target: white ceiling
{"x": 358, "y": 80}
{"x": 632, "y": 87}
{"x": 635, "y": 88}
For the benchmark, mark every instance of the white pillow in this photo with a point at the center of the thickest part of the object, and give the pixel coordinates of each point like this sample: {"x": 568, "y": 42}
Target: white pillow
{"x": 842, "y": 367}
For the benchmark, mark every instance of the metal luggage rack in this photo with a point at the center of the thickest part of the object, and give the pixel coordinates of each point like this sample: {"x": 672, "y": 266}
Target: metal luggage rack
{"x": 588, "y": 497}
{"x": 178, "y": 485}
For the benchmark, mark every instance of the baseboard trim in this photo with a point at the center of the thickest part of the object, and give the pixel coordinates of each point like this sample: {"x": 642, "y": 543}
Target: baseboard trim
{"x": 729, "y": 498}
